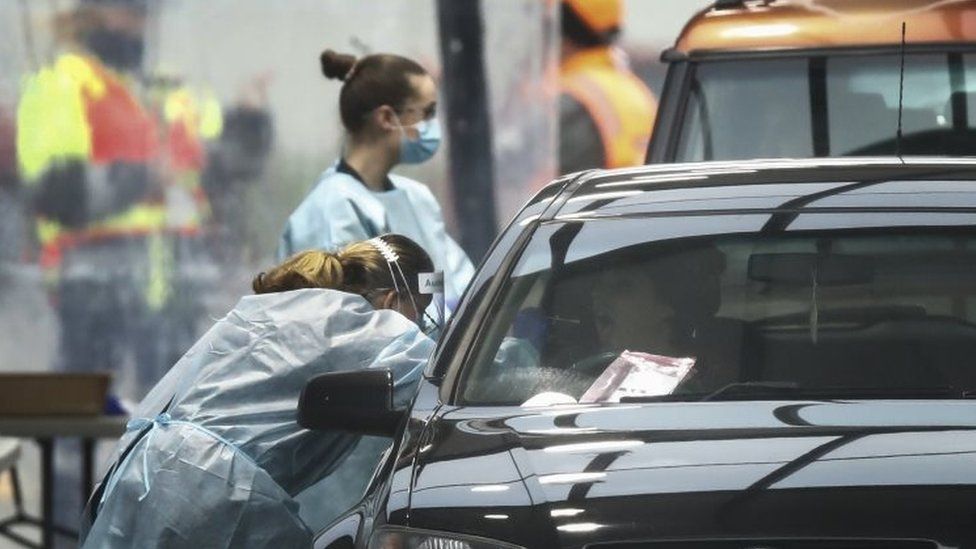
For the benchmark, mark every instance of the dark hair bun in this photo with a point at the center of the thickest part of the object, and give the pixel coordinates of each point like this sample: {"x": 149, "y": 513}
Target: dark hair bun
{"x": 335, "y": 65}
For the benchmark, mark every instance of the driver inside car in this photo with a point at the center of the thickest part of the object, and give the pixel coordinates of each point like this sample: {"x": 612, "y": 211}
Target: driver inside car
{"x": 632, "y": 313}
{"x": 668, "y": 306}
{"x": 663, "y": 305}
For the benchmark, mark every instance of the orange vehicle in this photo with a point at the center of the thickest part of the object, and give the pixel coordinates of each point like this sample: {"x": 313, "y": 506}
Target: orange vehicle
{"x": 812, "y": 78}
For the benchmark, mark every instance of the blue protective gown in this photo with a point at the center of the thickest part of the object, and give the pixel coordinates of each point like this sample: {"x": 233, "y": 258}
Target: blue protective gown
{"x": 220, "y": 468}
{"x": 340, "y": 210}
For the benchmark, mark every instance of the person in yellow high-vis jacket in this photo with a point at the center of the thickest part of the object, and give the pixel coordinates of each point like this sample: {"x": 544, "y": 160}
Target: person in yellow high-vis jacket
{"x": 113, "y": 183}
{"x": 117, "y": 166}
{"x": 116, "y": 187}
{"x": 606, "y": 113}
{"x": 87, "y": 149}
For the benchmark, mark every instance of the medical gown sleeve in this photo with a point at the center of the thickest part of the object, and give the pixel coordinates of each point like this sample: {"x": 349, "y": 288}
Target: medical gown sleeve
{"x": 320, "y": 455}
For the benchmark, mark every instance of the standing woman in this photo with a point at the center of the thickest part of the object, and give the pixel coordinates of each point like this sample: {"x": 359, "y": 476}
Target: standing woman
{"x": 388, "y": 106}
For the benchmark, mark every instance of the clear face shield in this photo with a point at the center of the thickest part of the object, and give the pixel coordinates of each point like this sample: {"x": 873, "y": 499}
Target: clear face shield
{"x": 428, "y": 312}
{"x": 432, "y": 285}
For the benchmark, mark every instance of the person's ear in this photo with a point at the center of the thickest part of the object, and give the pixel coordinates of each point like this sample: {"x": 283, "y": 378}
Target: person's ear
{"x": 386, "y": 118}
{"x": 389, "y": 300}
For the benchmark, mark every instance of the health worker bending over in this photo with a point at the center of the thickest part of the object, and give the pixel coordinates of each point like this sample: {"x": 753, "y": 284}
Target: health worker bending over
{"x": 388, "y": 106}
{"x": 214, "y": 455}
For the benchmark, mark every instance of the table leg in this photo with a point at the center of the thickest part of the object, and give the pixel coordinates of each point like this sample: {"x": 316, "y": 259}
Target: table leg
{"x": 18, "y": 495}
{"x": 88, "y": 468}
{"x": 47, "y": 492}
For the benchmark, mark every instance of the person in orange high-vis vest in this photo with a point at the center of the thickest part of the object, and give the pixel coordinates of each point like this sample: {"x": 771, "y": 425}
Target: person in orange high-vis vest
{"x": 606, "y": 113}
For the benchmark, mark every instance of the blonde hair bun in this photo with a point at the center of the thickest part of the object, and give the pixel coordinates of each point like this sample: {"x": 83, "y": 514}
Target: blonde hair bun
{"x": 359, "y": 268}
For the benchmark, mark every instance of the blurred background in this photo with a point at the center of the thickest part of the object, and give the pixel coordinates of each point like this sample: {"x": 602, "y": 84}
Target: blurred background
{"x": 241, "y": 123}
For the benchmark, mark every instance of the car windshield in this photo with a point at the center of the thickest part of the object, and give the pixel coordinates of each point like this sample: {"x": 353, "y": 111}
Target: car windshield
{"x": 623, "y": 309}
{"x": 829, "y": 106}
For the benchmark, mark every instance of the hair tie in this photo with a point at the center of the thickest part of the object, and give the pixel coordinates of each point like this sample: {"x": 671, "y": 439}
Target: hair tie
{"x": 351, "y": 72}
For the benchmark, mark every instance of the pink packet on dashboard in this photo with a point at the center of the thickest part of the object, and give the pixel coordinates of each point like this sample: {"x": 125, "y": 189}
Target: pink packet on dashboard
{"x": 634, "y": 374}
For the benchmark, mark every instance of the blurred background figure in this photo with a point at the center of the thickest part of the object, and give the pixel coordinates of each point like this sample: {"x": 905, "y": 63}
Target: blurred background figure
{"x": 103, "y": 173}
{"x": 112, "y": 161}
{"x": 11, "y": 210}
{"x": 125, "y": 168}
{"x": 86, "y": 148}
{"x": 606, "y": 113}
{"x": 235, "y": 165}
{"x": 523, "y": 90}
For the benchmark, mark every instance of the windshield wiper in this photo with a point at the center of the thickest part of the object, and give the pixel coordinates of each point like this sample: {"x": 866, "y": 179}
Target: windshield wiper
{"x": 744, "y": 388}
{"x": 750, "y": 390}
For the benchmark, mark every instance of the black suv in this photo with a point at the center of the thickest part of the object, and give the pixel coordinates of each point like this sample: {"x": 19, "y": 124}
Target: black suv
{"x": 718, "y": 355}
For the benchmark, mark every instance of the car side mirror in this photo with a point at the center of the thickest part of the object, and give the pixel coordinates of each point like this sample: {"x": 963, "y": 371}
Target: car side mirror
{"x": 359, "y": 402}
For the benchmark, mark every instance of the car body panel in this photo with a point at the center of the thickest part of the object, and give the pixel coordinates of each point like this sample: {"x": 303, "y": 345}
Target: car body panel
{"x": 775, "y": 185}
{"x": 662, "y": 471}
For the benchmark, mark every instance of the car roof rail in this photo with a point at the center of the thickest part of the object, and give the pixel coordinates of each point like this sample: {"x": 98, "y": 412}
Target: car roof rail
{"x": 728, "y": 4}
{"x": 734, "y": 4}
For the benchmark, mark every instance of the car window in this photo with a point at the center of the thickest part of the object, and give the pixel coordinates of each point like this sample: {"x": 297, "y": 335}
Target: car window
{"x": 829, "y": 106}
{"x": 746, "y": 109}
{"x": 880, "y": 311}
{"x": 862, "y": 99}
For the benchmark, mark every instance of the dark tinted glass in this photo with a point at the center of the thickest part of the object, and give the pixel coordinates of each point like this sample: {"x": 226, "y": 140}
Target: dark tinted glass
{"x": 866, "y": 313}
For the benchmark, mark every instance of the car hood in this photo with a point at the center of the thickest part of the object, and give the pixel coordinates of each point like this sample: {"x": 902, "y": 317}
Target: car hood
{"x": 574, "y": 476}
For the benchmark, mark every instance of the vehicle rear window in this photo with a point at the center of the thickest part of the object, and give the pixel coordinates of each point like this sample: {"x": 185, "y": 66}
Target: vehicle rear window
{"x": 621, "y": 309}
{"x": 829, "y": 106}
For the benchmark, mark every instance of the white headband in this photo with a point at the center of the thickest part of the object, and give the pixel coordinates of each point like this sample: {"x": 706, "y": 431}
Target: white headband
{"x": 392, "y": 258}
{"x": 384, "y": 249}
